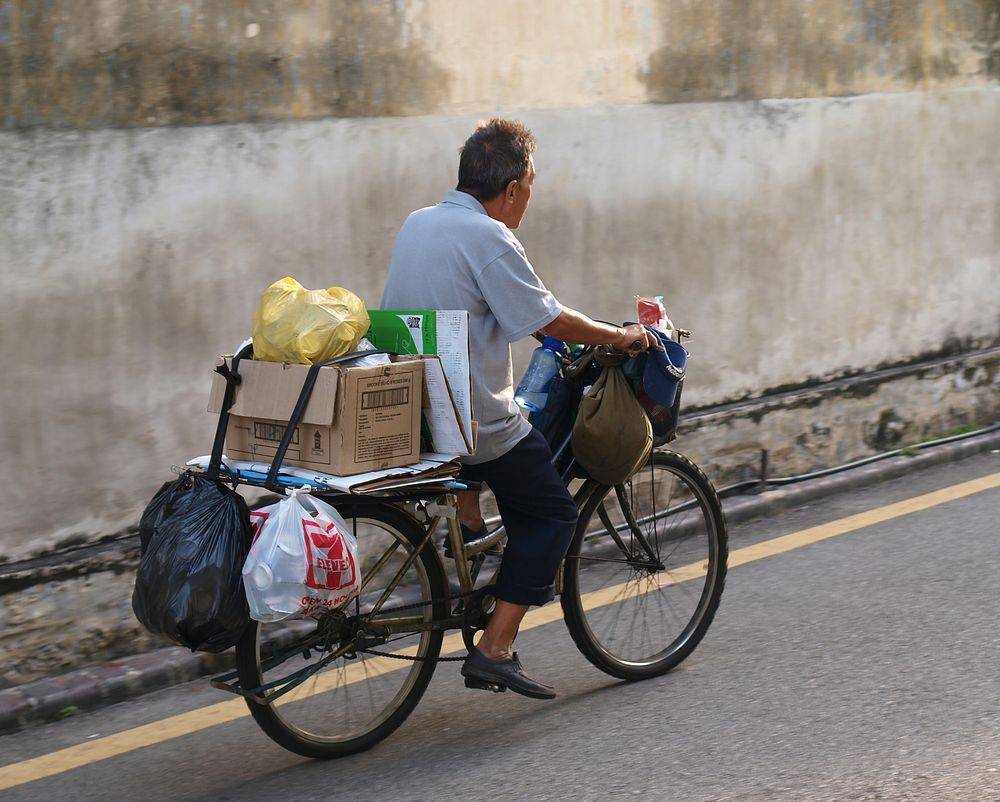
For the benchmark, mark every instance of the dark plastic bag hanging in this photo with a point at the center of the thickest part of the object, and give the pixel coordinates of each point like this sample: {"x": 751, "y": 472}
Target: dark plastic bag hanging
{"x": 160, "y": 507}
{"x": 556, "y": 421}
{"x": 189, "y": 587}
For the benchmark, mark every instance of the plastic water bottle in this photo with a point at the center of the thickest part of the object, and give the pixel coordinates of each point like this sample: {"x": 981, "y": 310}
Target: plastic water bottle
{"x": 533, "y": 390}
{"x": 276, "y": 586}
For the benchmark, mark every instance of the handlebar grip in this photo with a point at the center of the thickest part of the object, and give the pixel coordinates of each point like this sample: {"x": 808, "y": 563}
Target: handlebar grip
{"x": 636, "y": 346}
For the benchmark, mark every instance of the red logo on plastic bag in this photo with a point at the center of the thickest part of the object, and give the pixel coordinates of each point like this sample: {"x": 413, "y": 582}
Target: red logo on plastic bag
{"x": 331, "y": 564}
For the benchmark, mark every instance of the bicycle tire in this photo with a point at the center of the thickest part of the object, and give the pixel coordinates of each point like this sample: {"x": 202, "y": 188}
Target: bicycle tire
{"x": 247, "y": 654}
{"x": 571, "y": 599}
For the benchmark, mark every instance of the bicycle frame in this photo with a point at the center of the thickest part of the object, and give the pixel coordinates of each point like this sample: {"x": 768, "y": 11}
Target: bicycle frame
{"x": 429, "y": 509}
{"x": 442, "y": 509}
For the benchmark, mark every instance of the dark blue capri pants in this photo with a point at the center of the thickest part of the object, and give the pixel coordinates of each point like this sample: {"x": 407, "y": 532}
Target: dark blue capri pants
{"x": 538, "y": 513}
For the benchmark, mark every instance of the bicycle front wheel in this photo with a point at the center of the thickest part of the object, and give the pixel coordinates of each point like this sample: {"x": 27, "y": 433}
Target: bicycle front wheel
{"x": 645, "y": 571}
{"x": 357, "y": 699}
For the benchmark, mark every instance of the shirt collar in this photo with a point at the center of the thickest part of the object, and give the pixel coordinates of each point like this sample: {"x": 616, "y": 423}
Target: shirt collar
{"x": 460, "y": 198}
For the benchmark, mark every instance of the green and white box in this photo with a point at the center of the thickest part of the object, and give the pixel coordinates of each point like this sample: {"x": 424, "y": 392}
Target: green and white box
{"x": 441, "y": 333}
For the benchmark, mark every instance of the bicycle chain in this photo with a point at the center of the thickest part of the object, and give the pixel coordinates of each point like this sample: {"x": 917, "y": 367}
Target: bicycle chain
{"x": 414, "y": 658}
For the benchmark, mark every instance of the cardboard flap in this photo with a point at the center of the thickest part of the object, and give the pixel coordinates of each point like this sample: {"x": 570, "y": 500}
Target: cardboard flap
{"x": 441, "y": 411}
{"x": 270, "y": 390}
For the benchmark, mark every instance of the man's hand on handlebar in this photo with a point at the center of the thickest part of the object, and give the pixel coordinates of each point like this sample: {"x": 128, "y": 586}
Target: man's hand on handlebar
{"x": 575, "y": 327}
{"x": 634, "y": 338}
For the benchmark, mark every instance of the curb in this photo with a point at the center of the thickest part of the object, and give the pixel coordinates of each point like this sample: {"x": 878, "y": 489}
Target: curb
{"x": 114, "y": 681}
{"x": 103, "y": 684}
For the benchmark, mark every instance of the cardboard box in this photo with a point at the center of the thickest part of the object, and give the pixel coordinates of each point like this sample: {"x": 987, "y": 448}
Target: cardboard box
{"x": 357, "y": 419}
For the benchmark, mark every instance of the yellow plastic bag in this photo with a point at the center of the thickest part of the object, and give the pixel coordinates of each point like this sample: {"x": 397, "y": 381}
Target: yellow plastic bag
{"x": 293, "y": 324}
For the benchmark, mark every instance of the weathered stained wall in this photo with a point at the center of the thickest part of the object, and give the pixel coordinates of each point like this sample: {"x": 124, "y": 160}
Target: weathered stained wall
{"x": 122, "y": 63}
{"x": 160, "y": 166}
{"x": 789, "y": 48}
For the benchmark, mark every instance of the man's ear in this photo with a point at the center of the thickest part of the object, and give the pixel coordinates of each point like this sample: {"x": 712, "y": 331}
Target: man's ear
{"x": 510, "y": 190}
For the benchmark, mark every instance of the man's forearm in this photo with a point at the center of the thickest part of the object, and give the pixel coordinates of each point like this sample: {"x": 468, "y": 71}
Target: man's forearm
{"x": 575, "y": 327}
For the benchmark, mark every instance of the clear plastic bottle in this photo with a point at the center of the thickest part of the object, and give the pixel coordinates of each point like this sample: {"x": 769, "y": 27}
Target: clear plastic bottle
{"x": 533, "y": 390}
{"x": 278, "y": 583}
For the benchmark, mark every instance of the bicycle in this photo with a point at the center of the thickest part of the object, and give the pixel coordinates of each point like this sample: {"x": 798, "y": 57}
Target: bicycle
{"x": 655, "y": 536}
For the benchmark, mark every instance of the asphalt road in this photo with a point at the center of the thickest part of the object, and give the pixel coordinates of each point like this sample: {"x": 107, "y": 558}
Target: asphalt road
{"x": 864, "y": 666}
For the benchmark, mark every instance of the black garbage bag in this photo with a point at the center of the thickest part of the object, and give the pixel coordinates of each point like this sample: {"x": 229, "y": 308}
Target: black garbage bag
{"x": 160, "y": 506}
{"x": 189, "y": 586}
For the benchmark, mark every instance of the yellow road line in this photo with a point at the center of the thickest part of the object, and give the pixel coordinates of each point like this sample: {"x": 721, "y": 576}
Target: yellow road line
{"x": 73, "y": 757}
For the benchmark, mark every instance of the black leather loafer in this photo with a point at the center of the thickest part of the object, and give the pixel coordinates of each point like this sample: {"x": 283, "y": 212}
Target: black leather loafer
{"x": 498, "y": 675}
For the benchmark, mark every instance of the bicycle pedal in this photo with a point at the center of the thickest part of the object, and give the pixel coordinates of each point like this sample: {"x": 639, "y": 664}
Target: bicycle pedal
{"x": 484, "y": 685}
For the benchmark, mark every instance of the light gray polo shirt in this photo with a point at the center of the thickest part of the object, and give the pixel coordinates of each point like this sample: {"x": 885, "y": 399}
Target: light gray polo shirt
{"x": 455, "y": 256}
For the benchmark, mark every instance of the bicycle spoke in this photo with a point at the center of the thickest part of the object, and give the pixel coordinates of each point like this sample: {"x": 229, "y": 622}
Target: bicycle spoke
{"x": 386, "y": 556}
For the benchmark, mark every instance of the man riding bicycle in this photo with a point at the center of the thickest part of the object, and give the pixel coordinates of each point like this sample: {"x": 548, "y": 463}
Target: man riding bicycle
{"x": 462, "y": 254}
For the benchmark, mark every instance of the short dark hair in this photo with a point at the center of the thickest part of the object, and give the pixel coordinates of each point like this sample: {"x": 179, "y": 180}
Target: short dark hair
{"x": 496, "y": 154}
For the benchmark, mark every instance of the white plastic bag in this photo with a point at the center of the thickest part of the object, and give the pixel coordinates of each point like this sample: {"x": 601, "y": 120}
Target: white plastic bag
{"x": 303, "y": 561}
{"x": 374, "y": 361}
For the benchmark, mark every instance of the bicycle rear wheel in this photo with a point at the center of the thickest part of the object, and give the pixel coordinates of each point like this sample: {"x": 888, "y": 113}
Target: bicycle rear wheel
{"x": 358, "y": 699}
{"x": 645, "y": 571}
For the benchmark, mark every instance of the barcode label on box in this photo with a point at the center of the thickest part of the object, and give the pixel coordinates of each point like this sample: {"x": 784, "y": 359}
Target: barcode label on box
{"x": 273, "y": 432}
{"x": 392, "y": 397}
{"x": 385, "y": 428}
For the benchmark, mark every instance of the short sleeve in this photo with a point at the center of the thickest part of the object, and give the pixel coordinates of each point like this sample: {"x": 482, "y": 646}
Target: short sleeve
{"x": 516, "y": 296}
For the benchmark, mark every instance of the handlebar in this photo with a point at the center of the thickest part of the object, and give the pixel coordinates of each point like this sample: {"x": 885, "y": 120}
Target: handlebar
{"x": 574, "y": 359}
{"x": 676, "y": 334}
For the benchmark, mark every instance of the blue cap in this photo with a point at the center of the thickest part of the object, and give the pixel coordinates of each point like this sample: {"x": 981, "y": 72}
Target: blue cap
{"x": 664, "y": 369}
{"x": 554, "y": 345}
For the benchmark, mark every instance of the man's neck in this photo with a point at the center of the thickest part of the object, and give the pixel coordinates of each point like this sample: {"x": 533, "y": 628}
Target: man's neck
{"x": 495, "y": 208}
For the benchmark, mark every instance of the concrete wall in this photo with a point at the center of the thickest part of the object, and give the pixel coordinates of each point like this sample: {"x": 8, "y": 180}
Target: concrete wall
{"x": 162, "y": 163}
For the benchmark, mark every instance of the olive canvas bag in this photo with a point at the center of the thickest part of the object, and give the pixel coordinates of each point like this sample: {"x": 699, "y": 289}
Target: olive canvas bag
{"x": 612, "y": 436}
